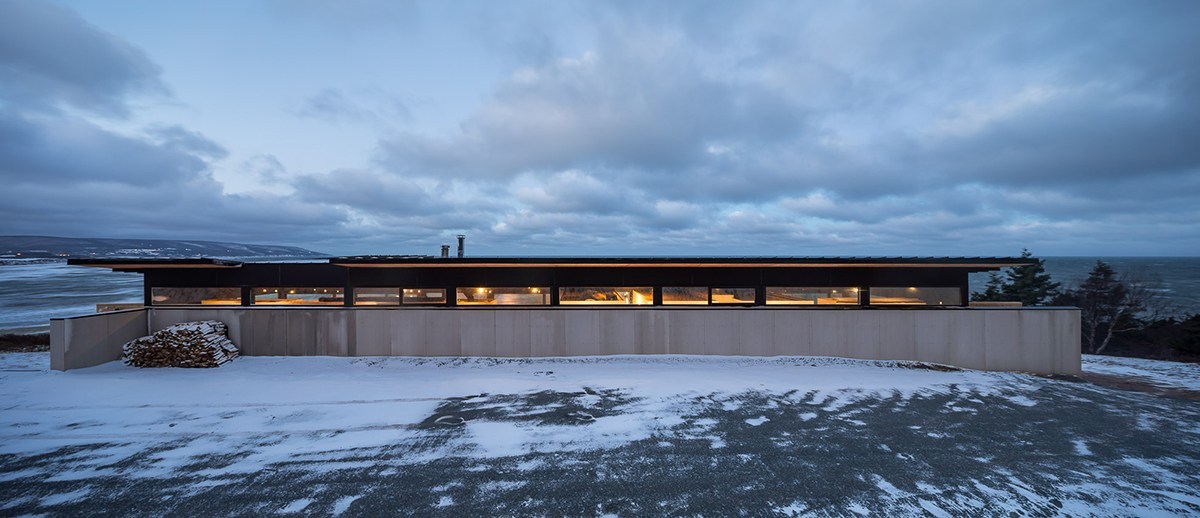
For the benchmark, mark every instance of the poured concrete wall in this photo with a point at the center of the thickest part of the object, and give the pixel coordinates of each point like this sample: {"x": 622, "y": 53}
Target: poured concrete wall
{"x": 1040, "y": 340}
{"x": 90, "y": 340}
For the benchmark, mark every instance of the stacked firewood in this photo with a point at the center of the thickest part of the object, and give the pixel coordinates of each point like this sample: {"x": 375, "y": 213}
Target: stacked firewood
{"x": 190, "y": 344}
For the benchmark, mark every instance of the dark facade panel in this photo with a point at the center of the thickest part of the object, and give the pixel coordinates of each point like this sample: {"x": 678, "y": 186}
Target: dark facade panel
{"x": 448, "y": 274}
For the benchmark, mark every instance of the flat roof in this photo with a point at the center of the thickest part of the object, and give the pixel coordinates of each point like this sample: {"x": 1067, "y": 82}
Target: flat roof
{"x": 426, "y": 261}
{"x": 122, "y": 263}
{"x": 384, "y": 261}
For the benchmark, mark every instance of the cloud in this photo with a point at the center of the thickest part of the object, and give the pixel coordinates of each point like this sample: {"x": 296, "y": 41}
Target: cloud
{"x": 366, "y": 191}
{"x": 756, "y": 128}
{"x": 65, "y": 150}
{"x": 641, "y": 102}
{"x": 66, "y": 173}
{"x": 50, "y": 56}
{"x": 333, "y": 105}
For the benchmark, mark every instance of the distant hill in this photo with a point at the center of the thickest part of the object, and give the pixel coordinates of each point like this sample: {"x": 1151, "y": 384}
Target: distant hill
{"x": 45, "y": 246}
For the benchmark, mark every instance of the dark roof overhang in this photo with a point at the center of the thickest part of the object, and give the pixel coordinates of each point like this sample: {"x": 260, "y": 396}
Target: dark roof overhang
{"x": 139, "y": 264}
{"x": 384, "y": 261}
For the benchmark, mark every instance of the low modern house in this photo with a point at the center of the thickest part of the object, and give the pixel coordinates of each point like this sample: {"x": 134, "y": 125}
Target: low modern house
{"x": 912, "y": 308}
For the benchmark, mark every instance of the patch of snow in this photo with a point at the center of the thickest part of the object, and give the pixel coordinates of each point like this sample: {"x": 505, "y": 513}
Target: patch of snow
{"x": 16, "y": 502}
{"x": 1081, "y": 447}
{"x": 1188, "y": 499}
{"x": 793, "y": 509}
{"x": 589, "y": 400}
{"x": 1021, "y": 400}
{"x": 757, "y": 421}
{"x": 296, "y": 506}
{"x": 888, "y": 488}
{"x": 932, "y": 508}
{"x": 530, "y": 465}
{"x": 858, "y": 509}
{"x": 499, "y": 439}
{"x": 445, "y": 501}
{"x": 343, "y": 504}
{"x": 63, "y": 498}
{"x": 495, "y": 486}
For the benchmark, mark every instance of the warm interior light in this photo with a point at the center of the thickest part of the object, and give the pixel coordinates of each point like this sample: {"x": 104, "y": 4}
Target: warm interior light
{"x": 479, "y": 291}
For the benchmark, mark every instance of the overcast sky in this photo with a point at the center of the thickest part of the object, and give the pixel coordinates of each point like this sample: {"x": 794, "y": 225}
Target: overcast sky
{"x": 689, "y": 128}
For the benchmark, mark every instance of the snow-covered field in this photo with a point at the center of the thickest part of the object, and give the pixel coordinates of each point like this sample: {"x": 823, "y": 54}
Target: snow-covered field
{"x": 1167, "y": 375}
{"x": 586, "y": 436}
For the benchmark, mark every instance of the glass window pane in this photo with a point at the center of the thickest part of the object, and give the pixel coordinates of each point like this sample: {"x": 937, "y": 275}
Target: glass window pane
{"x": 503, "y": 296}
{"x": 425, "y": 296}
{"x": 919, "y": 296}
{"x": 733, "y": 295}
{"x": 298, "y": 296}
{"x": 688, "y": 295}
{"x": 601, "y": 296}
{"x": 195, "y": 296}
{"x": 376, "y": 296}
{"x": 811, "y": 296}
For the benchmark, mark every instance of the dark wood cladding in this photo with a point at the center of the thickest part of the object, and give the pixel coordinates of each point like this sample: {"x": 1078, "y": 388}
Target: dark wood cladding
{"x": 317, "y": 275}
{"x": 553, "y": 273}
{"x": 323, "y": 275}
{"x": 292, "y": 275}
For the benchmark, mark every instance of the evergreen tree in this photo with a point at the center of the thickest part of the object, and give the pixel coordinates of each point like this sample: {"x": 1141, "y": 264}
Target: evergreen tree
{"x": 994, "y": 290}
{"x": 1028, "y": 283}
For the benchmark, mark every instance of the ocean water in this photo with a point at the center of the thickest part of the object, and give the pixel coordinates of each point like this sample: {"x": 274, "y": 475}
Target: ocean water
{"x": 1176, "y": 279}
{"x": 31, "y": 293}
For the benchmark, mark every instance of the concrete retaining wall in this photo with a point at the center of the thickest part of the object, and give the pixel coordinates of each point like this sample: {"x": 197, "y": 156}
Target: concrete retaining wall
{"x": 93, "y": 339}
{"x": 1040, "y": 340}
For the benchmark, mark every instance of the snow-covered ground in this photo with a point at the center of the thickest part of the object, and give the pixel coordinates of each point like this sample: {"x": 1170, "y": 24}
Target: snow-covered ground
{"x": 585, "y": 436}
{"x": 1168, "y": 375}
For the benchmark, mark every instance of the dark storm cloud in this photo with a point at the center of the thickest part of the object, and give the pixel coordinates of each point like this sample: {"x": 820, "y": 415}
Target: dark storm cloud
{"x": 49, "y": 55}
{"x": 68, "y": 151}
{"x": 364, "y": 190}
{"x": 642, "y": 101}
{"x": 182, "y": 139}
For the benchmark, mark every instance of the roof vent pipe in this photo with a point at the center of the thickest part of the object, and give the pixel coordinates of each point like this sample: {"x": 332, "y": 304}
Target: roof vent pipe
{"x": 445, "y": 251}
{"x": 461, "y": 238}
